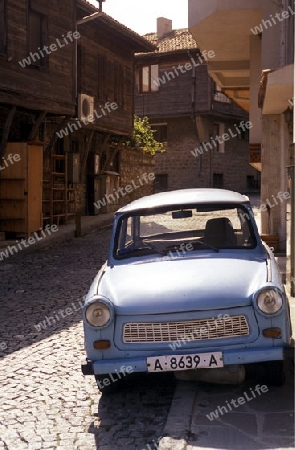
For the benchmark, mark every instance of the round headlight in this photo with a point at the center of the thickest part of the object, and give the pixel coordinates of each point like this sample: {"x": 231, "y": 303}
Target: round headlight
{"x": 269, "y": 301}
{"x": 98, "y": 314}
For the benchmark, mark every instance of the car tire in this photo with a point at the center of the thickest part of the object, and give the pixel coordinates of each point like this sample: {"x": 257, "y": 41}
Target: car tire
{"x": 106, "y": 383}
{"x": 274, "y": 373}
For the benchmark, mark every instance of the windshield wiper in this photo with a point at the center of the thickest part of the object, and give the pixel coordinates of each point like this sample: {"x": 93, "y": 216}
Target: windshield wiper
{"x": 155, "y": 249}
{"x": 208, "y": 245}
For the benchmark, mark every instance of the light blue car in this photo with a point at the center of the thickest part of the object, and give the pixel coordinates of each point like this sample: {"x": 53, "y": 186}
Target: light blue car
{"x": 188, "y": 285}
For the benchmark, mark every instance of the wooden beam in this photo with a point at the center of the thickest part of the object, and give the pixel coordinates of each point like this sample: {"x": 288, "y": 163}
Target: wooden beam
{"x": 54, "y": 137}
{"x": 6, "y": 130}
{"x": 36, "y": 125}
{"x": 112, "y": 155}
{"x": 86, "y": 153}
{"x": 107, "y": 151}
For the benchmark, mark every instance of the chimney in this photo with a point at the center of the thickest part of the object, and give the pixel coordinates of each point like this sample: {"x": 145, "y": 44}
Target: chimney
{"x": 164, "y": 26}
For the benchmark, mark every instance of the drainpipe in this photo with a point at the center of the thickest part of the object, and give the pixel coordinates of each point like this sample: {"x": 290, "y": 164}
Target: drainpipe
{"x": 193, "y": 102}
{"x": 81, "y": 22}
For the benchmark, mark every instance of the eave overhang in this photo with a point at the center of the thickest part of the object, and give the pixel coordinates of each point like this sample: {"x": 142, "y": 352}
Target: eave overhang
{"x": 225, "y": 27}
{"x": 276, "y": 90}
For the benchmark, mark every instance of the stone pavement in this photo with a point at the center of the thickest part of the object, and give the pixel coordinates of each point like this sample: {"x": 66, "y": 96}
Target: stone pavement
{"x": 265, "y": 421}
{"x": 46, "y": 402}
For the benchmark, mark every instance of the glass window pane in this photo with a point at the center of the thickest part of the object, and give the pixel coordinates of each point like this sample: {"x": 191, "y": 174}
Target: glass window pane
{"x": 201, "y": 226}
{"x": 145, "y": 79}
{"x": 154, "y": 78}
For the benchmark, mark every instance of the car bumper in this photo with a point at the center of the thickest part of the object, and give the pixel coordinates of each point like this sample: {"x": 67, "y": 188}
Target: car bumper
{"x": 139, "y": 364}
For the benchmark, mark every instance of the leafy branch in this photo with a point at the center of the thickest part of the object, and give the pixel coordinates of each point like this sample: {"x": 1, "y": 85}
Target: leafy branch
{"x": 143, "y": 137}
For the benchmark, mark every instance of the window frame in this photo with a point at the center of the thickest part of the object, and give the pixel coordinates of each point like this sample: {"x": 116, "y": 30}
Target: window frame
{"x": 152, "y": 88}
{"x": 244, "y": 135}
{"x": 219, "y": 130}
{"x": 161, "y": 130}
{"x": 161, "y": 182}
{"x": 243, "y": 215}
{"x": 218, "y": 180}
{"x": 43, "y": 62}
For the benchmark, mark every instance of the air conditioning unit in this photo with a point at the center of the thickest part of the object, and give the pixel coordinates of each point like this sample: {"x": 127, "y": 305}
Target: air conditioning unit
{"x": 85, "y": 106}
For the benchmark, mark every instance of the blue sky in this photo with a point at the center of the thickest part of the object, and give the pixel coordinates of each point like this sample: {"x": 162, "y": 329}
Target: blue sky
{"x": 141, "y": 15}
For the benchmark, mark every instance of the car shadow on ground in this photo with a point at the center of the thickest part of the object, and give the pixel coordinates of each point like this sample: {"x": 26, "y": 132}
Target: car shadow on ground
{"x": 134, "y": 416}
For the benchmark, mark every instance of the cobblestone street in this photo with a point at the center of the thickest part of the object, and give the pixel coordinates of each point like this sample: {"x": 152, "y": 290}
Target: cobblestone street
{"x": 46, "y": 403}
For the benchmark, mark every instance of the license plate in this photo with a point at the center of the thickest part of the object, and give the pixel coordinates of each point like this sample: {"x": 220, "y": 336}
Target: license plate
{"x": 184, "y": 362}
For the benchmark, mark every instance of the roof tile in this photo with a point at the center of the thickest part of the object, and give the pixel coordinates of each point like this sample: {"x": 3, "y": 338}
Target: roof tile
{"x": 175, "y": 40}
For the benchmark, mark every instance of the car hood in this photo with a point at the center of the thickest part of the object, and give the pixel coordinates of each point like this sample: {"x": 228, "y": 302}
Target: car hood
{"x": 213, "y": 282}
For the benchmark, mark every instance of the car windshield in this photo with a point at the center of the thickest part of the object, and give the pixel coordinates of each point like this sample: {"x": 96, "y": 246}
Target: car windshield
{"x": 184, "y": 229}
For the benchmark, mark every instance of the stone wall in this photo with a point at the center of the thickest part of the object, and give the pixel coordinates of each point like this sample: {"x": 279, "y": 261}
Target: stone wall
{"x": 135, "y": 166}
{"x": 187, "y": 171}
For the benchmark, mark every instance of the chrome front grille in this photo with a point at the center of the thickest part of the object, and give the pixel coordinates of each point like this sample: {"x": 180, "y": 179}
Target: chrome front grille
{"x": 185, "y": 331}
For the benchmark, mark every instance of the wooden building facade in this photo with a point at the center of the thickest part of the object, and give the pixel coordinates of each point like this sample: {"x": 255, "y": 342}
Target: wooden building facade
{"x": 66, "y": 88}
{"x": 186, "y": 108}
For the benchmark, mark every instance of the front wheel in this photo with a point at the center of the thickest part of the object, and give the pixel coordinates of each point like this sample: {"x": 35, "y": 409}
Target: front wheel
{"x": 274, "y": 373}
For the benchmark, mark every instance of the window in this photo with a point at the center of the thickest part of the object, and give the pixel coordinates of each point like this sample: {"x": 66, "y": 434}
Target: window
{"x": 37, "y": 38}
{"x": 148, "y": 78}
{"x": 218, "y": 180}
{"x": 161, "y": 182}
{"x": 219, "y": 96}
{"x": 2, "y": 27}
{"x": 251, "y": 182}
{"x": 244, "y": 135}
{"x": 160, "y": 131}
{"x": 165, "y": 231}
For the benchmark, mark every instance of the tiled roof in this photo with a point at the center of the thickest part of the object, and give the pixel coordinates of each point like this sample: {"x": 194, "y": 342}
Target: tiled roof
{"x": 175, "y": 40}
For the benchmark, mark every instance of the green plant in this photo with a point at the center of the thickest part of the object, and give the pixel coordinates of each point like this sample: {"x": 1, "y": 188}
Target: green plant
{"x": 143, "y": 137}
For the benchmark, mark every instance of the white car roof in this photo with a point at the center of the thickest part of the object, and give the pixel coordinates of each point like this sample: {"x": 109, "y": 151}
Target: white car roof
{"x": 183, "y": 197}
